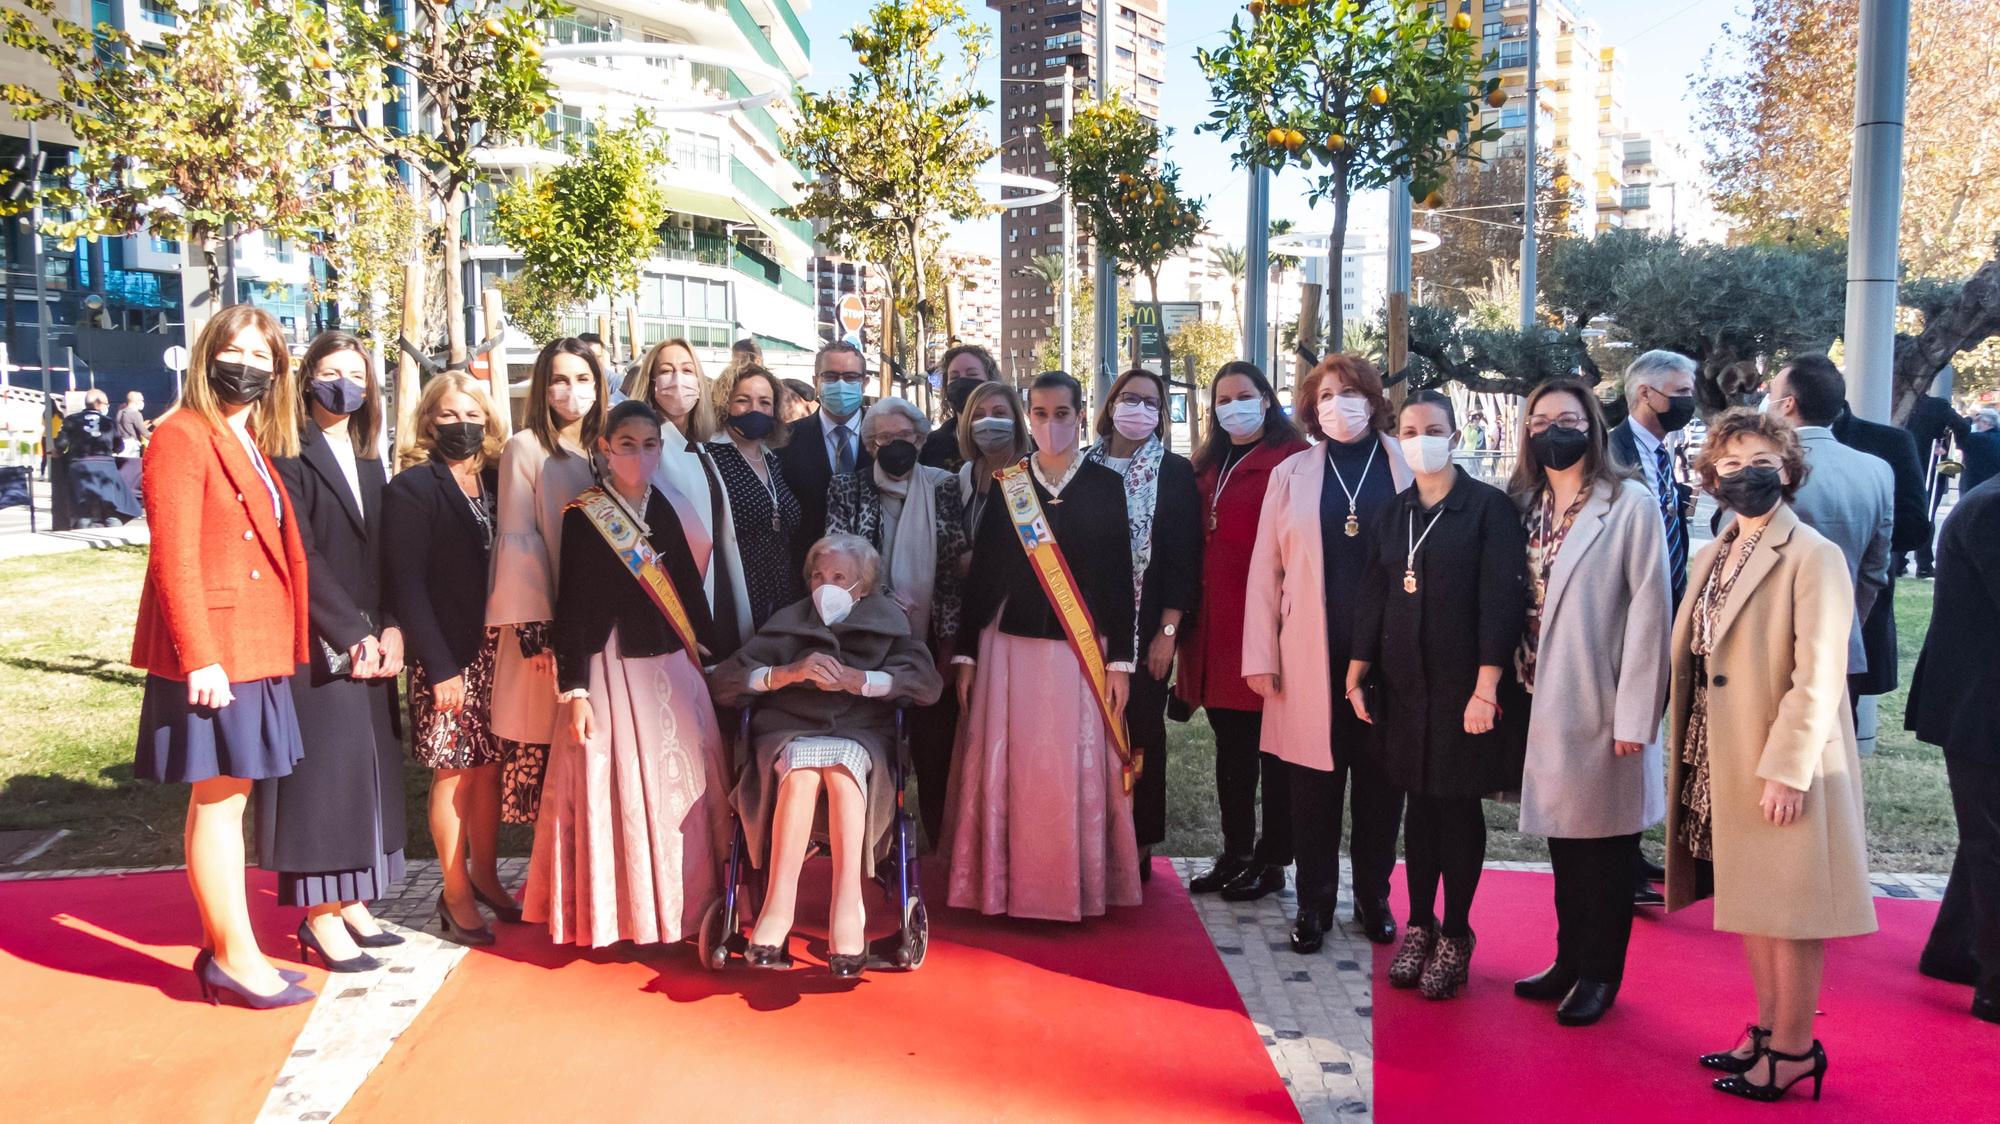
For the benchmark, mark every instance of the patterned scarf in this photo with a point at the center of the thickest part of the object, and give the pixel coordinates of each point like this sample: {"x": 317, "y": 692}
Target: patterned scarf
{"x": 1142, "y": 496}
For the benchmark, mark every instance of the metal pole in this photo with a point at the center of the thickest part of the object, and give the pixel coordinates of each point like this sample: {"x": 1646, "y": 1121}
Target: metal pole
{"x": 1066, "y": 307}
{"x": 43, "y": 328}
{"x": 1257, "y": 283}
{"x": 1880, "y": 78}
{"x": 1399, "y": 275}
{"x": 1528, "y": 205}
{"x": 1107, "y": 267}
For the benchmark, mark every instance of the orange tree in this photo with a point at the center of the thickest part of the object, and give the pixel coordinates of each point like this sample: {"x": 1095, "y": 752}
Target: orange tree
{"x": 1357, "y": 93}
{"x": 1128, "y": 199}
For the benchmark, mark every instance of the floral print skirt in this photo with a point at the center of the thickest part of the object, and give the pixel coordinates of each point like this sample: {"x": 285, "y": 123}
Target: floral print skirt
{"x": 459, "y": 739}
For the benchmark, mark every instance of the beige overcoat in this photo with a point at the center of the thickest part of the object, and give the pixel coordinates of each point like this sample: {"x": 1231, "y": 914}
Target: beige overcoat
{"x": 1284, "y": 611}
{"x": 1777, "y": 710}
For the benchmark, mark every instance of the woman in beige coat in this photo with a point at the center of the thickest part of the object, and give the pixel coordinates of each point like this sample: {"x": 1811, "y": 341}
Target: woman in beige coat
{"x": 1765, "y": 785}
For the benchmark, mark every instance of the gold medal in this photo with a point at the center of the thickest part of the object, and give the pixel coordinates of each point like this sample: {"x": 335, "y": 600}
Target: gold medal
{"x": 1353, "y": 524}
{"x": 1409, "y": 581}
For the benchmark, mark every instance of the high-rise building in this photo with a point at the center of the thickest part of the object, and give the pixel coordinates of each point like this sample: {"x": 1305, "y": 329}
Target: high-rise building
{"x": 728, "y": 266}
{"x": 1042, "y": 42}
{"x": 834, "y": 278}
{"x": 974, "y": 296}
{"x": 1664, "y": 190}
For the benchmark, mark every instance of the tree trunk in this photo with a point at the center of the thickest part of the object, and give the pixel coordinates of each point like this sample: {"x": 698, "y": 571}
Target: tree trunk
{"x": 1160, "y": 318}
{"x": 454, "y": 284}
{"x": 1335, "y": 323}
{"x": 1965, "y": 323}
{"x": 214, "y": 275}
{"x": 921, "y": 344}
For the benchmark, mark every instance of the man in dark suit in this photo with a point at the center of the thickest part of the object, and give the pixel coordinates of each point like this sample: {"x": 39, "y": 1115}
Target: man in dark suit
{"x": 1952, "y": 705}
{"x": 1931, "y": 421}
{"x": 1659, "y": 400}
{"x": 1979, "y": 451}
{"x": 826, "y": 443}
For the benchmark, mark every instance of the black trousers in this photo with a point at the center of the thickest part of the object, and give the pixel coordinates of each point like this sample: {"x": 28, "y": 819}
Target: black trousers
{"x": 1594, "y": 903}
{"x": 1239, "y": 770}
{"x": 933, "y": 731}
{"x": 1146, "y": 721}
{"x": 1316, "y": 817}
{"x": 1444, "y": 841}
{"x": 1967, "y": 930}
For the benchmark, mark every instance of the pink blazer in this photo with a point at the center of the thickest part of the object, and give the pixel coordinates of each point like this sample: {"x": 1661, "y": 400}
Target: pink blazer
{"x": 1284, "y": 610}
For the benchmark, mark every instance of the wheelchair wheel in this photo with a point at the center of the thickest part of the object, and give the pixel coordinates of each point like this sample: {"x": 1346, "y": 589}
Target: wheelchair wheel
{"x": 711, "y": 941}
{"x": 916, "y": 937}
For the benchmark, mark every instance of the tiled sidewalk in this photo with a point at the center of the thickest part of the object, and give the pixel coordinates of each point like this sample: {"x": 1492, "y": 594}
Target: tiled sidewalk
{"x": 1313, "y": 1012}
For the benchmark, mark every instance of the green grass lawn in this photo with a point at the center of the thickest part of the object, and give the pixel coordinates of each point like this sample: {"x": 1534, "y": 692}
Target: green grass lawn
{"x": 71, "y": 709}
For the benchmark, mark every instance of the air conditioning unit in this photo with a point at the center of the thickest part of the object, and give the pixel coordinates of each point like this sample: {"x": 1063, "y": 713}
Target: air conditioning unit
{"x": 683, "y": 222}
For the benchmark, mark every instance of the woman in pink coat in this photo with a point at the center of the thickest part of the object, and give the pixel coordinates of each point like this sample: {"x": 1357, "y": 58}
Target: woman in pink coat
{"x": 1314, "y": 542}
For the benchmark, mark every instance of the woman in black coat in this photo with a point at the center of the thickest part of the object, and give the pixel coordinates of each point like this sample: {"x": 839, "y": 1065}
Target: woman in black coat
{"x": 438, "y": 524}
{"x": 1164, "y": 510}
{"x": 1439, "y": 616}
{"x": 333, "y": 828}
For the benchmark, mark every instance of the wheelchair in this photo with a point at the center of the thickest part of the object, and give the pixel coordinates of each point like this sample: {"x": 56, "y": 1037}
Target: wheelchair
{"x": 722, "y": 940}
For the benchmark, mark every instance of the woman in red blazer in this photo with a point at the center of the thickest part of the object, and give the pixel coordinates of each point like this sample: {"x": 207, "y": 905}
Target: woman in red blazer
{"x": 1248, "y": 436}
{"x": 222, "y": 624}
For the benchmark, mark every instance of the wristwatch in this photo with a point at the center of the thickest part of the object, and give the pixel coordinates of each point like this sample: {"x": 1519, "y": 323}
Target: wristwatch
{"x": 1169, "y": 630}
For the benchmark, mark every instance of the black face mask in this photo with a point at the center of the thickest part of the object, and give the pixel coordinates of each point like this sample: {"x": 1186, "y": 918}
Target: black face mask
{"x": 236, "y": 383}
{"x": 1558, "y": 448}
{"x": 457, "y": 441}
{"x": 1679, "y": 412}
{"x": 1752, "y": 492}
{"x": 958, "y": 390}
{"x": 755, "y": 425}
{"x": 338, "y": 396}
{"x": 897, "y": 458}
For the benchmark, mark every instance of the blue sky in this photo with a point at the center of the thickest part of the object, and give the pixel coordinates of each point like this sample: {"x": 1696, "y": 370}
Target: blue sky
{"x": 1665, "y": 42}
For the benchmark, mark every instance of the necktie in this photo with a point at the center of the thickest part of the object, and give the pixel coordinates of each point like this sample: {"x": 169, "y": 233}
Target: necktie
{"x": 844, "y": 459}
{"x": 1676, "y": 561}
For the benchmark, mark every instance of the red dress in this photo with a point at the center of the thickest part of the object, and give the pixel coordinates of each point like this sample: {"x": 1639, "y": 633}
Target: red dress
{"x": 1211, "y": 651}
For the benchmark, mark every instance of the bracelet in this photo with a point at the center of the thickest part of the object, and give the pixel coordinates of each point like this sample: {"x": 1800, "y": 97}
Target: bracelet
{"x": 1494, "y": 703}
{"x": 1351, "y": 692}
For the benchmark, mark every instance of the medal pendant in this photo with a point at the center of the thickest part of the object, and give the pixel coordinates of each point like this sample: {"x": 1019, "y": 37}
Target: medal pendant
{"x": 1211, "y": 521}
{"x": 1409, "y": 581}
{"x": 777, "y": 524}
{"x": 1353, "y": 525}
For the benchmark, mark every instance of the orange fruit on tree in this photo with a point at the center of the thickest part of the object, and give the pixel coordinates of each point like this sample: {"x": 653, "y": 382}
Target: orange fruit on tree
{"x": 1335, "y": 142}
{"x": 1274, "y": 137}
{"x": 1378, "y": 95}
{"x": 1433, "y": 201}
{"x": 1497, "y": 98}
{"x": 494, "y": 27}
{"x": 1294, "y": 140}
{"x": 391, "y": 41}
{"x": 1461, "y": 21}
{"x": 1256, "y": 7}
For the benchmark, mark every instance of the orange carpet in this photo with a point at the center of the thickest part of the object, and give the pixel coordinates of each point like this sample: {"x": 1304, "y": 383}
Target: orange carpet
{"x": 1125, "y": 1017}
{"x": 101, "y": 1018}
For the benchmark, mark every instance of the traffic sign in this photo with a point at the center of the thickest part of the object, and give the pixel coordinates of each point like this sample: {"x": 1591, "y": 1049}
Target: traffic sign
{"x": 176, "y": 358}
{"x": 851, "y": 313}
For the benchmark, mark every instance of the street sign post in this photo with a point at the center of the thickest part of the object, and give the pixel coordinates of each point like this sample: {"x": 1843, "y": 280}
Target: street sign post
{"x": 851, "y": 314}
{"x": 176, "y": 359}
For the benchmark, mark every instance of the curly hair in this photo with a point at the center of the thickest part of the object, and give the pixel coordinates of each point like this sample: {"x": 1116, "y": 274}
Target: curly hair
{"x": 1731, "y": 425}
{"x": 1354, "y": 372}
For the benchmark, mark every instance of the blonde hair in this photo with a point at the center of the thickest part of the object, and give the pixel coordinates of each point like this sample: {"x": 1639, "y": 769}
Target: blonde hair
{"x": 967, "y": 447}
{"x": 274, "y": 418}
{"x": 424, "y": 444}
{"x": 701, "y": 419}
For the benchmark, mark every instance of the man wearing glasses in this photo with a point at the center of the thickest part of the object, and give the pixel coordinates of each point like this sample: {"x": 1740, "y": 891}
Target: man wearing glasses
{"x": 826, "y": 444}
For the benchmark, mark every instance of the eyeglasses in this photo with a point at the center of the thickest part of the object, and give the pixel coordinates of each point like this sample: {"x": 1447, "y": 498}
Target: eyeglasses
{"x": 1539, "y": 425}
{"x": 1130, "y": 399}
{"x": 855, "y": 377}
{"x": 882, "y": 440}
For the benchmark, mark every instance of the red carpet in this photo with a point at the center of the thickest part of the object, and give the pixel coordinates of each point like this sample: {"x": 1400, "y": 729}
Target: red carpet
{"x": 1126, "y": 1017}
{"x": 1901, "y": 1047}
{"x": 101, "y": 1019}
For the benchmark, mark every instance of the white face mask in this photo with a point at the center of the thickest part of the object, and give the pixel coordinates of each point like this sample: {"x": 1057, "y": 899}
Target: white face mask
{"x": 572, "y": 400}
{"x": 1427, "y": 454}
{"x": 1135, "y": 422}
{"x": 1344, "y": 418}
{"x": 1240, "y": 418}
{"x": 833, "y": 602}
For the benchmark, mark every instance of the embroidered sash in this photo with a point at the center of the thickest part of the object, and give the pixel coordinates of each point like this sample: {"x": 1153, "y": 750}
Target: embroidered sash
{"x": 631, "y": 547}
{"x": 1046, "y": 559}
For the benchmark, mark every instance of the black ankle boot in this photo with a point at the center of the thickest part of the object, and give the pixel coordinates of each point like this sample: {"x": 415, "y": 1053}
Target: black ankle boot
{"x": 1551, "y": 984}
{"x": 1586, "y": 1002}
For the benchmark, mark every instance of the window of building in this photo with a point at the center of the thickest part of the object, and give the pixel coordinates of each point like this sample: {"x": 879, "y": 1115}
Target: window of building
{"x": 1638, "y": 195}
{"x": 281, "y": 251}
{"x": 1492, "y": 30}
{"x": 159, "y": 12}
{"x": 161, "y": 245}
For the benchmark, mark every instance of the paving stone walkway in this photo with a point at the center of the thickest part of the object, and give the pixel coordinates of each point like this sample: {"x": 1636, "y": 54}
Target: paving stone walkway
{"x": 1314, "y": 1013}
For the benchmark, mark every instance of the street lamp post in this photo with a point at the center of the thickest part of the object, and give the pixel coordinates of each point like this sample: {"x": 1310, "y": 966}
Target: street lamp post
{"x": 1065, "y": 308}
{"x": 1528, "y": 197}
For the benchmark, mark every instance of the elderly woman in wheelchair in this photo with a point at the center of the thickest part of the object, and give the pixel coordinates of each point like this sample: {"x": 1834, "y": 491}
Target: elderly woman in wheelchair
{"x": 824, "y": 678}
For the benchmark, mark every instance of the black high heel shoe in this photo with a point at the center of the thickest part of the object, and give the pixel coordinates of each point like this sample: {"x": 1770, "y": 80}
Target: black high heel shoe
{"x": 383, "y": 939}
{"x": 215, "y": 983}
{"x": 1729, "y": 1061}
{"x": 459, "y": 934}
{"x": 770, "y": 957}
{"x": 290, "y": 975}
{"x": 843, "y": 967}
{"x": 1742, "y": 1086}
{"x": 508, "y": 911}
{"x": 309, "y": 947}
